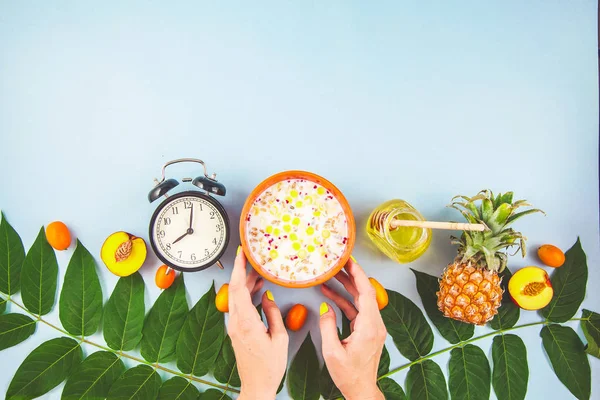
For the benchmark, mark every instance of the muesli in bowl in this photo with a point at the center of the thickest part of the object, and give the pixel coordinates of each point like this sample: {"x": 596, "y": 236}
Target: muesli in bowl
{"x": 297, "y": 229}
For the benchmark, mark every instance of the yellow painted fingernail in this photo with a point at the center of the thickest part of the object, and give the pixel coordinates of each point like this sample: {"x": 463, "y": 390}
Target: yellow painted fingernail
{"x": 270, "y": 295}
{"x": 324, "y": 308}
{"x": 353, "y": 259}
{"x": 238, "y": 250}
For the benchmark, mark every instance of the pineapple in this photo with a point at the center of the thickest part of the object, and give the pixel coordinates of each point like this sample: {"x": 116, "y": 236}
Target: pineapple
{"x": 470, "y": 287}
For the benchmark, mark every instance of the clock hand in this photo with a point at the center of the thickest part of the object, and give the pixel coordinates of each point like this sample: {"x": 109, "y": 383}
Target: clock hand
{"x": 191, "y": 217}
{"x": 180, "y": 237}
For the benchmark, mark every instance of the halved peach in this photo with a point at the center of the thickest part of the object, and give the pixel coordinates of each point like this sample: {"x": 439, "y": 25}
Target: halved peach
{"x": 123, "y": 254}
{"x": 530, "y": 288}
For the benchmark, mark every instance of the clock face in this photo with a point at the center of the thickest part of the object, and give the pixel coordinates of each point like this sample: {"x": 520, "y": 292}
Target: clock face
{"x": 189, "y": 231}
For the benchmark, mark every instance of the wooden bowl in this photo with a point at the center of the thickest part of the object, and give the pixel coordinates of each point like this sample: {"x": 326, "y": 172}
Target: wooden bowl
{"x": 282, "y": 176}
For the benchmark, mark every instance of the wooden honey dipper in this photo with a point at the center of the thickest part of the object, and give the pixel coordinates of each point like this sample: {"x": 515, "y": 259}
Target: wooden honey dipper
{"x": 378, "y": 220}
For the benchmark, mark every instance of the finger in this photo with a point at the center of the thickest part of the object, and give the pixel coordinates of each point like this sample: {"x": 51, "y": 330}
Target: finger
{"x": 238, "y": 275}
{"x": 366, "y": 291}
{"x": 344, "y": 279}
{"x": 259, "y": 285}
{"x": 252, "y": 279}
{"x": 330, "y": 341}
{"x": 344, "y": 304}
{"x": 239, "y": 296}
{"x": 274, "y": 319}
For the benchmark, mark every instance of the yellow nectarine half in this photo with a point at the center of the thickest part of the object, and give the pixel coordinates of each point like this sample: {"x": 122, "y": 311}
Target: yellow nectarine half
{"x": 123, "y": 254}
{"x": 530, "y": 288}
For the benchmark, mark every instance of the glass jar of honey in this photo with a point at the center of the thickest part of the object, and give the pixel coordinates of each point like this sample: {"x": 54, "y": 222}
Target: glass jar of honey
{"x": 404, "y": 243}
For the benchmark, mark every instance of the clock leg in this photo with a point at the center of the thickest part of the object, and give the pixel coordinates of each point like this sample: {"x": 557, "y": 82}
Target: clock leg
{"x": 220, "y": 264}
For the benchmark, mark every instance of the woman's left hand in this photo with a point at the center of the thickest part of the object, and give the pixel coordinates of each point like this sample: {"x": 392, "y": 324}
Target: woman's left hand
{"x": 261, "y": 353}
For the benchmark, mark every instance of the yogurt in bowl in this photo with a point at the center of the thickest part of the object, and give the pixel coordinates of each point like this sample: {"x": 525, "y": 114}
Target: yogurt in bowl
{"x": 297, "y": 229}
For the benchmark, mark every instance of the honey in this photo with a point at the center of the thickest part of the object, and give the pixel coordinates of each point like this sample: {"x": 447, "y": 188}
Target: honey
{"x": 403, "y": 244}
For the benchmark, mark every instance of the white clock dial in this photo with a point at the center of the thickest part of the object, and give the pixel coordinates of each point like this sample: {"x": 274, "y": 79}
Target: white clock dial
{"x": 189, "y": 231}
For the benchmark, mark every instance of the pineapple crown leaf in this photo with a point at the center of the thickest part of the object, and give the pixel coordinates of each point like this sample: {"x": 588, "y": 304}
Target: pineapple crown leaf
{"x": 488, "y": 248}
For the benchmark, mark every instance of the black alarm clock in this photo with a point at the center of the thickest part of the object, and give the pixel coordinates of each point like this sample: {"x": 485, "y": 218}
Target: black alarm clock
{"x": 189, "y": 231}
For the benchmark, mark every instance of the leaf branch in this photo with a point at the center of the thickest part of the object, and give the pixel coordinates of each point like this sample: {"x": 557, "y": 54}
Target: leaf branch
{"x": 461, "y": 344}
{"x": 124, "y": 355}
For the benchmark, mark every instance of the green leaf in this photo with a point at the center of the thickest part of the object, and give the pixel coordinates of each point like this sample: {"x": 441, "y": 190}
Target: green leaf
{"x": 426, "y": 381}
{"x": 201, "y": 336}
{"x": 327, "y": 387}
{"x": 469, "y": 376}
{"x": 124, "y": 314}
{"x": 38, "y": 277}
{"x": 2, "y": 304}
{"x": 569, "y": 361}
{"x": 508, "y": 313}
{"x": 226, "y": 367}
{"x": 452, "y": 330}
{"x": 214, "y": 394}
{"x": 45, "y": 368}
{"x": 178, "y": 388}
{"x": 12, "y": 255}
{"x": 511, "y": 373}
{"x": 591, "y": 330}
{"x": 384, "y": 362}
{"x": 94, "y": 377}
{"x": 303, "y": 374}
{"x": 406, "y": 324}
{"x": 80, "y": 306}
{"x": 141, "y": 382}
{"x": 391, "y": 390}
{"x": 15, "y": 328}
{"x": 164, "y": 322}
{"x": 568, "y": 282}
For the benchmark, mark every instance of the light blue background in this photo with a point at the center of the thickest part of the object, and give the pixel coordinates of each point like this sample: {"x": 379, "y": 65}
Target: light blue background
{"x": 412, "y": 100}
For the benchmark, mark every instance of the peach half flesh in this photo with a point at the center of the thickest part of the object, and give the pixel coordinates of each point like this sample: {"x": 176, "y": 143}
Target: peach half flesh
{"x": 123, "y": 254}
{"x": 530, "y": 288}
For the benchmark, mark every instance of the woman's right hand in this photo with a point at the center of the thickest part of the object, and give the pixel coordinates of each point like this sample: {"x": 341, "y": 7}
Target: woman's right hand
{"x": 353, "y": 362}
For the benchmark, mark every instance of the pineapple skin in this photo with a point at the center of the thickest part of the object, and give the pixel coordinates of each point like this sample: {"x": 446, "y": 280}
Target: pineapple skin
{"x": 469, "y": 293}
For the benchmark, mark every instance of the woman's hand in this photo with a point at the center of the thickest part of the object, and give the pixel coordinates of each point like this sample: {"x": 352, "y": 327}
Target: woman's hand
{"x": 261, "y": 354}
{"x": 353, "y": 362}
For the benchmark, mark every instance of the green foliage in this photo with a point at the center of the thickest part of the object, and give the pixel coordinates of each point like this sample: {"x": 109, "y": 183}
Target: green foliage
{"x": 407, "y": 326}
{"x": 124, "y": 314}
{"x": 226, "y": 367}
{"x": 391, "y": 390}
{"x": 164, "y": 322}
{"x": 138, "y": 383}
{"x": 508, "y": 313}
{"x": 45, "y": 368}
{"x": 425, "y": 381}
{"x": 214, "y": 394}
{"x": 15, "y": 328}
{"x": 569, "y": 361}
{"x": 511, "y": 373}
{"x": 39, "y": 276}
{"x": 197, "y": 340}
{"x": 94, "y": 377}
{"x": 469, "y": 374}
{"x": 591, "y": 330}
{"x": 569, "y": 283}
{"x": 452, "y": 330}
{"x": 303, "y": 374}
{"x": 80, "y": 306}
{"x": 12, "y": 255}
{"x": 201, "y": 336}
{"x": 178, "y": 388}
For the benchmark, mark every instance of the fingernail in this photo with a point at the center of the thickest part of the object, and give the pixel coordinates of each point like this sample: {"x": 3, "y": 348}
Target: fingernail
{"x": 270, "y": 295}
{"x": 324, "y": 308}
{"x": 353, "y": 259}
{"x": 238, "y": 250}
